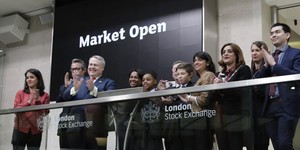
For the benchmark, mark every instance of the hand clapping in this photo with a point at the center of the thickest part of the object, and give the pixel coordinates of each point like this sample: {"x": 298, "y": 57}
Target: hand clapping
{"x": 269, "y": 60}
{"x": 90, "y": 84}
{"x": 77, "y": 81}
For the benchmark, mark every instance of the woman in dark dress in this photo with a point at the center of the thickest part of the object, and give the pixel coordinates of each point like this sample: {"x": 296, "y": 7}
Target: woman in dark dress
{"x": 234, "y": 104}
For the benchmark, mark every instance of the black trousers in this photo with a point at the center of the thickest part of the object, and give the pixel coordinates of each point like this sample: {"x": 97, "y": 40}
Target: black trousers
{"x": 20, "y": 140}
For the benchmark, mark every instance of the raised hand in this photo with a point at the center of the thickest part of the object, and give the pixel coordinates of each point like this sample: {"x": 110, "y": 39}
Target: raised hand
{"x": 77, "y": 81}
{"x": 269, "y": 60}
{"x": 34, "y": 96}
{"x": 90, "y": 84}
{"x": 67, "y": 79}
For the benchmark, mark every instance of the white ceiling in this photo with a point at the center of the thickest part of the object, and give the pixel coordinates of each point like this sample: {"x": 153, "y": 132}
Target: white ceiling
{"x": 35, "y": 7}
{"x": 24, "y": 7}
{"x": 290, "y": 10}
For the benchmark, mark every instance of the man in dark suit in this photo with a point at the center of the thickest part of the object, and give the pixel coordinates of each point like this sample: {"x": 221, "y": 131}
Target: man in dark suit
{"x": 94, "y": 136}
{"x": 78, "y": 68}
{"x": 282, "y": 105}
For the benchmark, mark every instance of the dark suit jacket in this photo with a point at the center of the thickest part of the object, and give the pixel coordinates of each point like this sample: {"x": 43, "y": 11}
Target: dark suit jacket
{"x": 289, "y": 91}
{"x": 236, "y": 101}
{"x": 98, "y": 111}
{"x": 103, "y": 84}
{"x": 258, "y": 97}
{"x": 65, "y": 111}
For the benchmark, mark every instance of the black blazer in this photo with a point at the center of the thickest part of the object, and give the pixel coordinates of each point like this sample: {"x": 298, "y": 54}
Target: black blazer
{"x": 289, "y": 91}
{"x": 237, "y": 100}
{"x": 258, "y": 97}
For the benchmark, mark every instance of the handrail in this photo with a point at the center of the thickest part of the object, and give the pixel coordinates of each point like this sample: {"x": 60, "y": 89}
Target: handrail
{"x": 142, "y": 95}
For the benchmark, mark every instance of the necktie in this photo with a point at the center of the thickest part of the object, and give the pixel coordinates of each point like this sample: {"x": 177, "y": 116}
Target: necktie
{"x": 93, "y": 78}
{"x": 272, "y": 88}
{"x": 277, "y": 52}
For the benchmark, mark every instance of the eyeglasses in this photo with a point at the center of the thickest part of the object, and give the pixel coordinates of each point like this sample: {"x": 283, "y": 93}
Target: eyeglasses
{"x": 73, "y": 69}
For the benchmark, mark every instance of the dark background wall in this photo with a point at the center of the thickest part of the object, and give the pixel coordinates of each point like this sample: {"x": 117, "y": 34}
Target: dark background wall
{"x": 155, "y": 52}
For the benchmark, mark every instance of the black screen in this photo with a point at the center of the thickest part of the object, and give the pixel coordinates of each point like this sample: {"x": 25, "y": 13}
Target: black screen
{"x": 149, "y": 35}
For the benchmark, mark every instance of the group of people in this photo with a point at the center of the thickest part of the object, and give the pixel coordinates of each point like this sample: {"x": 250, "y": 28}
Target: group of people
{"x": 169, "y": 122}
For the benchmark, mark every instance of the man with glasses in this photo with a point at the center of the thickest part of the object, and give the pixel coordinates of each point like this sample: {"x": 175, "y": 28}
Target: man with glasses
{"x": 66, "y": 138}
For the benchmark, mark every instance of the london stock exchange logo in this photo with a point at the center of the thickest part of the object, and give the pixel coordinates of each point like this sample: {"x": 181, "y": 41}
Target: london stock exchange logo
{"x": 150, "y": 112}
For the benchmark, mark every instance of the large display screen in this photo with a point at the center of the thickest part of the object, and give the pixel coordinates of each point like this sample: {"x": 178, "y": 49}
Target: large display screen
{"x": 149, "y": 35}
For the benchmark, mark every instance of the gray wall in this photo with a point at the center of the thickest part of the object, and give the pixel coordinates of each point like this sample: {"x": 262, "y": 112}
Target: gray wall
{"x": 33, "y": 52}
{"x": 210, "y": 30}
